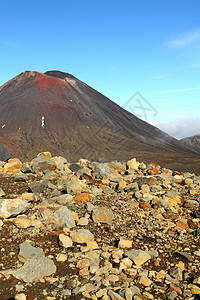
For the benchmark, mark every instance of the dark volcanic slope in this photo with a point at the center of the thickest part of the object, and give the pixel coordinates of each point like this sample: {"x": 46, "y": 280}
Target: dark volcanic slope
{"x": 192, "y": 141}
{"x": 4, "y": 154}
{"x": 59, "y": 113}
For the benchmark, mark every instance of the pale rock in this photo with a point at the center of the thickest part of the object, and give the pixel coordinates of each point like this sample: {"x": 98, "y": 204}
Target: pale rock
{"x": 133, "y": 164}
{"x": 30, "y": 197}
{"x": 81, "y": 236}
{"x": 59, "y": 161}
{"x": 138, "y": 256}
{"x": 83, "y": 221}
{"x": 102, "y": 215}
{"x": 65, "y": 241}
{"x": 74, "y": 185}
{"x": 12, "y": 207}
{"x": 12, "y": 166}
{"x": 142, "y": 166}
{"x": 101, "y": 293}
{"x": 125, "y": 263}
{"x": 144, "y": 280}
{"x": 22, "y": 221}
{"x": 125, "y": 243}
{"x": 196, "y": 280}
{"x": 61, "y": 257}
{"x": 20, "y": 297}
{"x": 129, "y": 293}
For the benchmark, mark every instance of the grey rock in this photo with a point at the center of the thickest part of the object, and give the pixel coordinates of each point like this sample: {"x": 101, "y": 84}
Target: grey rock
{"x": 21, "y": 177}
{"x": 177, "y": 273}
{"x": 35, "y": 269}
{"x": 65, "y": 198}
{"x": 4, "y": 154}
{"x": 132, "y": 187}
{"x": 187, "y": 256}
{"x": 96, "y": 191}
{"x": 172, "y": 295}
{"x": 12, "y": 207}
{"x": 136, "y": 290}
{"x": 102, "y": 169}
{"x": 26, "y": 168}
{"x": 75, "y": 167}
{"x": 38, "y": 187}
{"x": 63, "y": 217}
{"x": 192, "y": 204}
{"x": 27, "y": 251}
{"x": 73, "y": 185}
{"x": 102, "y": 215}
{"x": 41, "y": 163}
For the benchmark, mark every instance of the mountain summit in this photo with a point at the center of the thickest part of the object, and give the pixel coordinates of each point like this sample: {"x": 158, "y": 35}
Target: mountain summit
{"x": 57, "y": 112}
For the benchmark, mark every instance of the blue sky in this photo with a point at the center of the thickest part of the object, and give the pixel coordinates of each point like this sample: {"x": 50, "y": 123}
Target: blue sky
{"x": 117, "y": 47}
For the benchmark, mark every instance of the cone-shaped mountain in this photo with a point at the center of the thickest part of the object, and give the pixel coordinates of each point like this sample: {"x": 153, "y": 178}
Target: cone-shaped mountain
{"x": 56, "y": 112}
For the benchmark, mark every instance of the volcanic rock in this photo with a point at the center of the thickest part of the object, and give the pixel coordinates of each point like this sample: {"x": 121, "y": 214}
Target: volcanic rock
{"x": 4, "y": 154}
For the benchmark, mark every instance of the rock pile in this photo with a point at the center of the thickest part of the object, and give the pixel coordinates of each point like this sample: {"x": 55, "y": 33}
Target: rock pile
{"x": 96, "y": 230}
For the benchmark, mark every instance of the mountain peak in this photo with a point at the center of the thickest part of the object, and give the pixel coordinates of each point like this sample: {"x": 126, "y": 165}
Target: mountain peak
{"x": 59, "y": 74}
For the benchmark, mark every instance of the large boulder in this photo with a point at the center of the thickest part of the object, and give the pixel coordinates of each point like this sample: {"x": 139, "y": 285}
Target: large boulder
{"x": 4, "y": 154}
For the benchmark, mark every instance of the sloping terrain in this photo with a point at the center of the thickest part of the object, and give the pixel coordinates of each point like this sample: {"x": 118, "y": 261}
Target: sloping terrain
{"x": 192, "y": 141}
{"x": 58, "y": 112}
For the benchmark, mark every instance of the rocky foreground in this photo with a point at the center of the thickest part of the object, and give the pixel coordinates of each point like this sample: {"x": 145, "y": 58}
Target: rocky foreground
{"x": 95, "y": 230}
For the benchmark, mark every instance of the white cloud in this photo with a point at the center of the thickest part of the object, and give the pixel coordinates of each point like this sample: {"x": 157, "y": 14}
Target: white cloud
{"x": 180, "y": 128}
{"x": 184, "y": 40}
{"x": 160, "y": 76}
{"x": 175, "y": 91}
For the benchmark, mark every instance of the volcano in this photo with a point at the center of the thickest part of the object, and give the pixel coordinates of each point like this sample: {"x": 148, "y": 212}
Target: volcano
{"x": 57, "y": 112}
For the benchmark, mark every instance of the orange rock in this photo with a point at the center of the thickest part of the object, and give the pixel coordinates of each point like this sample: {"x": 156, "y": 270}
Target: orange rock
{"x": 167, "y": 246}
{"x": 156, "y": 263}
{"x": 105, "y": 182}
{"x": 84, "y": 271}
{"x": 175, "y": 288}
{"x": 84, "y": 197}
{"x": 153, "y": 170}
{"x": 75, "y": 216}
{"x": 181, "y": 265}
{"x": 175, "y": 200}
{"x": 139, "y": 173}
{"x": 192, "y": 192}
{"x": 145, "y": 205}
{"x": 45, "y": 154}
{"x": 13, "y": 166}
{"x": 83, "y": 263}
{"x": 122, "y": 184}
{"x": 194, "y": 289}
{"x": 182, "y": 223}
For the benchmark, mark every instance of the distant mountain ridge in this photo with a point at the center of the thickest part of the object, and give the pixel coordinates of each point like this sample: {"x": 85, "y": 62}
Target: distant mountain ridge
{"x": 192, "y": 141}
{"x": 57, "y": 112}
